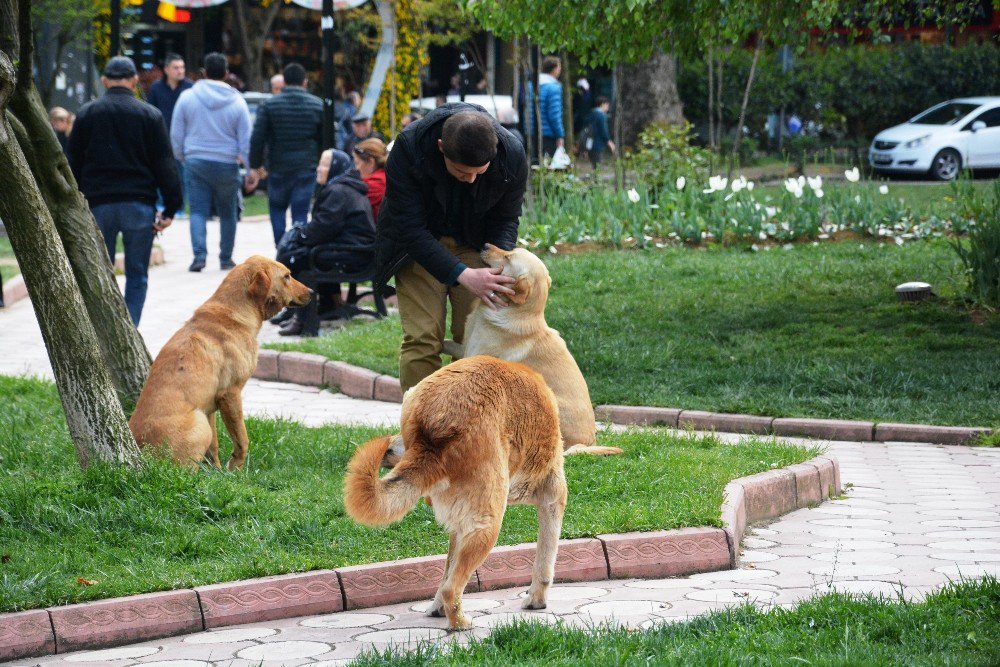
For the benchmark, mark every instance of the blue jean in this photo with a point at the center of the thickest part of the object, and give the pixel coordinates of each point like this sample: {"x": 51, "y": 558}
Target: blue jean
{"x": 286, "y": 189}
{"x": 134, "y": 221}
{"x": 210, "y": 182}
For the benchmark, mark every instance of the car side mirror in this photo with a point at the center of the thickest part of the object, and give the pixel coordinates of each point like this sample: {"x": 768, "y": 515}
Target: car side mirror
{"x": 978, "y": 125}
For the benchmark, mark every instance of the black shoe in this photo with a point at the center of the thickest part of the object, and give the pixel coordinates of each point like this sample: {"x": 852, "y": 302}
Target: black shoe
{"x": 292, "y": 328}
{"x": 283, "y": 316}
{"x": 227, "y": 264}
{"x": 197, "y": 265}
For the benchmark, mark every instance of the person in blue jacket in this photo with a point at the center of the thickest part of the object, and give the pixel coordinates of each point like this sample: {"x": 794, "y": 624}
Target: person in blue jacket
{"x": 600, "y": 137}
{"x": 550, "y": 105}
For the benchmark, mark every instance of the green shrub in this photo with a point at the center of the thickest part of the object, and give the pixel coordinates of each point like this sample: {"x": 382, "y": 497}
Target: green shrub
{"x": 980, "y": 251}
{"x": 851, "y": 92}
{"x": 663, "y": 152}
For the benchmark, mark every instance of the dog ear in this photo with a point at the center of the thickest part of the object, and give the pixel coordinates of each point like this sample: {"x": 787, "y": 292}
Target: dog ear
{"x": 522, "y": 288}
{"x": 260, "y": 285}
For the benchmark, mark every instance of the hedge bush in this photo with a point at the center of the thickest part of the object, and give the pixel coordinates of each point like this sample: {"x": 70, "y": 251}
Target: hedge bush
{"x": 853, "y": 92}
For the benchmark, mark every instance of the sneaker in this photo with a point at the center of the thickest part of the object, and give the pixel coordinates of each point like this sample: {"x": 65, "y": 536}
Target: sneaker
{"x": 227, "y": 264}
{"x": 197, "y": 265}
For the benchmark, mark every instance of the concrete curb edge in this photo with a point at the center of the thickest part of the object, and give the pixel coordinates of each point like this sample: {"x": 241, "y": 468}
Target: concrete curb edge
{"x": 664, "y": 553}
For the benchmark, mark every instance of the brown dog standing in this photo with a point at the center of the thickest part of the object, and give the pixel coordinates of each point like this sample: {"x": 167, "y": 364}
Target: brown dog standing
{"x": 481, "y": 433}
{"x": 203, "y": 367}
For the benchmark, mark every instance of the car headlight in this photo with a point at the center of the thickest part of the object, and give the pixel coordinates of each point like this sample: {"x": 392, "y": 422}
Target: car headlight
{"x": 916, "y": 143}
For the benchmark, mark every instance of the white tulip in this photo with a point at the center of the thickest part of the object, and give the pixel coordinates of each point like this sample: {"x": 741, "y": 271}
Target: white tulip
{"x": 816, "y": 183}
{"x": 818, "y": 192}
{"x": 718, "y": 182}
{"x": 792, "y": 185}
{"x": 853, "y": 175}
{"x": 884, "y": 189}
{"x": 681, "y": 182}
{"x": 633, "y": 196}
{"x": 749, "y": 185}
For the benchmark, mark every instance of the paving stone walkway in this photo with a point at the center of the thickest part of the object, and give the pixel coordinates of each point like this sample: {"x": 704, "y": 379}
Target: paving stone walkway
{"x": 914, "y": 516}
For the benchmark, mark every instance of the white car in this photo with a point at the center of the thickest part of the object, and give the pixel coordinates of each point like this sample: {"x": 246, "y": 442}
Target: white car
{"x": 494, "y": 104}
{"x": 957, "y": 134}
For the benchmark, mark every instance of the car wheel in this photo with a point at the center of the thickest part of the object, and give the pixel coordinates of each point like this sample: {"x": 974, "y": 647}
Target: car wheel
{"x": 946, "y": 165}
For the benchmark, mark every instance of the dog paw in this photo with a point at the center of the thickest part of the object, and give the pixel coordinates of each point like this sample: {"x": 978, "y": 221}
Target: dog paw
{"x": 436, "y": 610}
{"x": 533, "y": 603}
{"x": 462, "y": 622}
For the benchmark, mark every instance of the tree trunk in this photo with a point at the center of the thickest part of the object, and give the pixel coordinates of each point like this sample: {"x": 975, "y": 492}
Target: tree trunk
{"x": 94, "y": 415}
{"x": 122, "y": 347}
{"x": 254, "y": 28}
{"x": 743, "y": 108}
{"x": 649, "y": 95}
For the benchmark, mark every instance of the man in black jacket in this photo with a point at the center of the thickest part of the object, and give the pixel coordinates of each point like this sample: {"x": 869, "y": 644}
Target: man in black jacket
{"x": 455, "y": 180}
{"x": 120, "y": 155}
{"x": 290, "y": 127}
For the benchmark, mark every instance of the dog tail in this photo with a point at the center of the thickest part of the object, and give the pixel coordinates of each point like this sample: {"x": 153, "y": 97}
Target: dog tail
{"x": 372, "y": 501}
{"x": 592, "y": 450}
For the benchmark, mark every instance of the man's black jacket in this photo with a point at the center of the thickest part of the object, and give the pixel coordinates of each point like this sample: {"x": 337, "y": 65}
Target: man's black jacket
{"x": 412, "y": 216}
{"x": 290, "y": 126}
{"x": 119, "y": 152}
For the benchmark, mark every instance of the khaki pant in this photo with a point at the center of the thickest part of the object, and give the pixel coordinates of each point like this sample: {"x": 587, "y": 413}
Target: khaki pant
{"x": 423, "y": 304}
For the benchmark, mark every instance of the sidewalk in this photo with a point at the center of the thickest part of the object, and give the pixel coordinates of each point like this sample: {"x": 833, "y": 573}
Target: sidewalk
{"x": 173, "y": 295}
{"x": 916, "y": 516}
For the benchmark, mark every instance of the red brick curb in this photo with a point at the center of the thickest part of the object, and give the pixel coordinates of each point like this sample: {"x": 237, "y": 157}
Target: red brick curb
{"x": 663, "y": 553}
{"x": 359, "y": 382}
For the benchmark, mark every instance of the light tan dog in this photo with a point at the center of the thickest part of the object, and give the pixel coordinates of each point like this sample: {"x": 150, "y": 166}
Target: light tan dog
{"x": 519, "y": 333}
{"x": 481, "y": 433}
{"x": 203, "y": 367}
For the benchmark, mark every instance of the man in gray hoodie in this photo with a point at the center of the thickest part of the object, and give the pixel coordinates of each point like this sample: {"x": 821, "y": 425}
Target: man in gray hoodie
{"x": 210, "y": 133}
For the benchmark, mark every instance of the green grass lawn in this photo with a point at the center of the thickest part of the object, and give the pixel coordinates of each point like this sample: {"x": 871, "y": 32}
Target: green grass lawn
{"x": 8, "y": 265}
{"x": 958, "y": 625}
{"x": 814, "y": 331}
{"x": 255, "y": 204}
{"x": 162, "y": 527}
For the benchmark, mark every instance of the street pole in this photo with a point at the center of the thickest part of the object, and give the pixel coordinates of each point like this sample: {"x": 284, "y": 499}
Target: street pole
{"x": 329, "y": 117}
{"x": 116, "y": 28}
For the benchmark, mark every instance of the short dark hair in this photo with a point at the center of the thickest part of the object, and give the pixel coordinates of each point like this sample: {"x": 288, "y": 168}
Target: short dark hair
{"x": 601, "y": 99}
{"x": 172, "y": 57}
{"x": 295, "y": 74}
{"x": 216, "y": 66}
{"x": 550, "y": 63}
{"x": 469, "y": 139}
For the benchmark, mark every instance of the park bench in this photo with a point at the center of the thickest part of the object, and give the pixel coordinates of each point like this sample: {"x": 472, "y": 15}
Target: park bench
{"x": 323, "y": 269}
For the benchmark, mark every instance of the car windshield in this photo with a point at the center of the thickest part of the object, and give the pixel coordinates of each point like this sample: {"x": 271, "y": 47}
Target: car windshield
{"x": 946, "y": 114}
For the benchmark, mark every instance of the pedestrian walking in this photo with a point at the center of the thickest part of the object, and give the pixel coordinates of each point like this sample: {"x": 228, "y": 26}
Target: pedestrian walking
{"x": 163, "y": 95}
{"x": 120, "y": 155}
{"x": 455, "y": 181}
{"x": 361, "y": 129}
{"x": 550, "y": 105}
{"x": 600, "y": 138}
{"x": 59, "y": 120}
{"x": 289, "y": 128}
{"x": 210, "y": 133}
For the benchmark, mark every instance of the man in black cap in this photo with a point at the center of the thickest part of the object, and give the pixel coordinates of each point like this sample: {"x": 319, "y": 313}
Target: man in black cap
{"x": 361, "y": 129}
{"x": 455, "y": 180}
{"x": 120, "y": 154}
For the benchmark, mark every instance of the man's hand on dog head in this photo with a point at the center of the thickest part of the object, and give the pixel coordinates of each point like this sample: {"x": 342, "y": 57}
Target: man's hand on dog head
{"x": 161, "y": 222}
{"x": 489, "y": 285}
